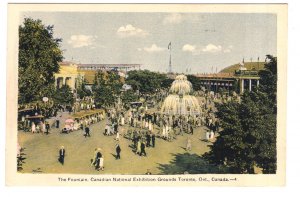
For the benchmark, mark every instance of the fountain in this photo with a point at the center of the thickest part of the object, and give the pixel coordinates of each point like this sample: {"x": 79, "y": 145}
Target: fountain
{"x": 179, "y": 101}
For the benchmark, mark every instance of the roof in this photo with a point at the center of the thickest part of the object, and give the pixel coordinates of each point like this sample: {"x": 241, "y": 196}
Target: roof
{"x": 216, "y": 75}
{"x": 87, "y": 113}
{"x": 248, "y": 65}
{"x": 108, "y": 65}
{"x": 68, "y": 69}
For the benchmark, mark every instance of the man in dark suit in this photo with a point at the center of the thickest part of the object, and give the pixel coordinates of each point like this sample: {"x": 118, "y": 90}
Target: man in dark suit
{"x": 47, "y": 128}
{"x": 153, "y": 140}
{"x": 57, "y": 123}
{"x": 98, "y": 156}
{"x": 118, "y": 151}
{"x": 143, "y": 147}
{"x": 62, "y": 153}
{"x": 87, "y": 132}
{"x": 148, "y": 139}
{"x": 191, "y": 129}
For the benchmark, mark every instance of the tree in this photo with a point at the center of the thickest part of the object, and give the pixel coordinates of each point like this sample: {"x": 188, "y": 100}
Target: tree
{"x": 195, "y": 82}
{"x": 248, "y": 138}
{"x": 106, "y": 88}
{"x": 82, "y": 91}
{"x": 146, "y": 81}
{"x": 128, "y": 97}
{"x": 64, "y": 96}
{"x": 39, "y": 54}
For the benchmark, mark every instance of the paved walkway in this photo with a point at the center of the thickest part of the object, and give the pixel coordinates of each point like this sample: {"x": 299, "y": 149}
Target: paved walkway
{"x": 42, "y": 152}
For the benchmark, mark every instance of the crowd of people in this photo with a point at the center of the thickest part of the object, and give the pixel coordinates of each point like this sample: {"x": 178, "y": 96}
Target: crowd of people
{"x": 143, "y": 125}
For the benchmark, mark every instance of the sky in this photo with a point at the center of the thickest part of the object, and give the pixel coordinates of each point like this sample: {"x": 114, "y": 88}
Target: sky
{"x": 200, "y": 42}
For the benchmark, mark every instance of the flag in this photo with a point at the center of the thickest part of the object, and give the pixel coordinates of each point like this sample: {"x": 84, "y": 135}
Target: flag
{"x": 169, "y": 46}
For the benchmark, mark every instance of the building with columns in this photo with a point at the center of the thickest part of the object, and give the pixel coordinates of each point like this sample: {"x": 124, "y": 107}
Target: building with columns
{"x": 68, "y": 75}
{"x": 73, "y": 74}
{"x": 239, "y": 80}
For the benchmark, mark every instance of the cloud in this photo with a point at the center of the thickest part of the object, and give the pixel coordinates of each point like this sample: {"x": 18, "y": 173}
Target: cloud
{"x": 130, "y": 30}
{"x": 78, "y": 41}
{"x": 211, "y": 48}
{"x": 174, "y": 18}
{"x": 189, "y": 48}
{"x": 153, "y": 48}
{"x": 228, "y": 49}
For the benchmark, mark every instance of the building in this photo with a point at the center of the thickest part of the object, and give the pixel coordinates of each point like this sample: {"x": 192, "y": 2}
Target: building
{"x": 239, "y": 80}
{"x": 73, "y": 74}
{"x": 68, "y": 75}
{"x": 108, "y": 67}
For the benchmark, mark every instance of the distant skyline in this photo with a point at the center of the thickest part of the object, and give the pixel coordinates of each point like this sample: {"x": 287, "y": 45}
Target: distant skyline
{"x": 201, "y": 42}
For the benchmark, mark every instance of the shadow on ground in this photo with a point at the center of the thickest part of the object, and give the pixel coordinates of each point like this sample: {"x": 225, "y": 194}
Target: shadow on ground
{"x": 191, "y": 164}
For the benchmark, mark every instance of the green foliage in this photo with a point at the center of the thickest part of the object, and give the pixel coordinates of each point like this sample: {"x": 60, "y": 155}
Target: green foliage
{"x": 129, "y": 96}
{"x": 191, "y": 163}
{"x": 195, "y": 82}
{"x": 64, "y": 96}
{"x": 39, "y": 54}
{"x": 106, "y": 88}
{"x": 248, "y": 138}
{"x": 82, "y": 91}
{"x": 146, "y": 81}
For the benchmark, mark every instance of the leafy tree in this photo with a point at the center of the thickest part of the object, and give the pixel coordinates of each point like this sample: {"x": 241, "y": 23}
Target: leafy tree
{"x": 129, "y": 96}
{"x": 248, "y": 138}
{"x": 39, "y": 54}
{"x": 166, "y": 83}
{"x": 107, "y": 88}
{"x": 64, "y": 96}
{"x": 82, "y": 91}
{"x": 146, "y": 81}
{"x": 191, "y": 163}
{"x": 195, "y": 82}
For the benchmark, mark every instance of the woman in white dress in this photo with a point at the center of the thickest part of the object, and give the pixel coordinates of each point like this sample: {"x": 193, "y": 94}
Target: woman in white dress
{"x": 118, "y": 136}
{"x": 43, "y": 126}
{"x": 33, "y": 127}
{"x": 102, "y": 163}
{"x": 150, "y": 126}
{"x": 122, "y": 120}
{"x": 212, "y": 135}
{"x": 207, "y": 135}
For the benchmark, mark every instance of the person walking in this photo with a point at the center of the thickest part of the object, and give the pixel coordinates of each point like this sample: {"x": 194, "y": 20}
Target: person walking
{"x": 57, "y": 123}
{"x": 191, "y": 129}
{"x": 101, "y": 163}
{"x": 143, "y": 151}
{"x": 118, "y": 151}
{"x": 212, "y": 135}
{"x": 62, "y": 153}
{"x": 188, "y": 144}
{"x": 98, "y": 156}
{"x": 138, "y": 148}
{"x": 153, "y": 140}
{"x": 43, "y": 127}
{"x": 47, "y": 128}
{"x": 33, "y": 127}
{"x": 118, "y": 136}
{"x": 87, "y": 132}
{"x": 207, "y": 135}
{"x": 148, "y": 139}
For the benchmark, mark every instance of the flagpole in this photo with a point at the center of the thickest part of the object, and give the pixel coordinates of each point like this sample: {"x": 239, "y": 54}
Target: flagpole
{"x": 170, "y": 63}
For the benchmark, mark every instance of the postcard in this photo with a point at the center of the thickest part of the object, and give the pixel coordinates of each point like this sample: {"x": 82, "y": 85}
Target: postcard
{"x": 146, "y": 94}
